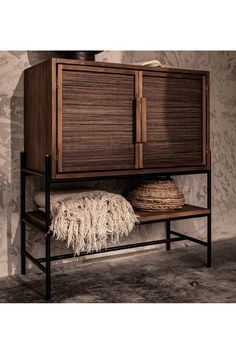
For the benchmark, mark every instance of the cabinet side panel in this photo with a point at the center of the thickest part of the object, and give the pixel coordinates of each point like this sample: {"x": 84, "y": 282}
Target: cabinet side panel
{"x": 37, "y": 115}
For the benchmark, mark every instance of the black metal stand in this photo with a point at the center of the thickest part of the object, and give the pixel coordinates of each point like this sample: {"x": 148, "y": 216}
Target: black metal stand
{"x": 47, "y": 223}
{"x": 22, "y": 212}
{"x": 168, "y": 235}
{"x": 48, "y": 258}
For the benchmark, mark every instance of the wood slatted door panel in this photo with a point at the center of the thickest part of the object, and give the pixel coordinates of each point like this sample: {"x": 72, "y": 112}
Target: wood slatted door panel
{"x": 176, "y": 120}
{"x": 96, "y": 119}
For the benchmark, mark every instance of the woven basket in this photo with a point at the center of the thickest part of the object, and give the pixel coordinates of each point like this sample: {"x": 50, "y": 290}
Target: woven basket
{"x": 159, "y": 195}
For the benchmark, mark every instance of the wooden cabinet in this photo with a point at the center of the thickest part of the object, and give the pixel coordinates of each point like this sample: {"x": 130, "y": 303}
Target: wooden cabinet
{"x": 101, "y": 119}
{"x": 97, "y": 120}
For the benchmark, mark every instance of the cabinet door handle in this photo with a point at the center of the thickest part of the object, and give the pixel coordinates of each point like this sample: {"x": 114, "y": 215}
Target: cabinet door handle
{"x": 144, "y": 120}
{"x": 138, "y": 137}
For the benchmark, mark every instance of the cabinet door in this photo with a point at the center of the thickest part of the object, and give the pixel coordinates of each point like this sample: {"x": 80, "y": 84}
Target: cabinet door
{"x": 175, "y": 120}
{"x": 96, "y": 116}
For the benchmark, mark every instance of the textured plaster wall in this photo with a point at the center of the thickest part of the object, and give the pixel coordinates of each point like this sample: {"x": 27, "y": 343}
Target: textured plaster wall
{"x": 222, "y": 66}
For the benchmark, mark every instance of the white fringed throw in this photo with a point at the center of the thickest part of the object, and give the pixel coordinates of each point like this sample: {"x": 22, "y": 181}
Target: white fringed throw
{"x": 91, "y": 220}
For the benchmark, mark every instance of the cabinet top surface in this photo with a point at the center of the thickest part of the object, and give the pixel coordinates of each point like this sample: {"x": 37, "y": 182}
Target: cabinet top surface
{"x": 55, "y": 61}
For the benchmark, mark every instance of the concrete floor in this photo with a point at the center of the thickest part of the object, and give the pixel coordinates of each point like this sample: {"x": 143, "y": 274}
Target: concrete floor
{"x": 152, "y": 277}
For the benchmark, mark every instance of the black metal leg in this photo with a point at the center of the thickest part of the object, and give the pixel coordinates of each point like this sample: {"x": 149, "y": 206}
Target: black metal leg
{"x": 22, "y": 206}
{"x": 23, "y": 258}
{"x": 168, "y": 235}
{"x": 47, "y": 222}
{"x": 48, "y": 267}
{"x": 209, "y": 251}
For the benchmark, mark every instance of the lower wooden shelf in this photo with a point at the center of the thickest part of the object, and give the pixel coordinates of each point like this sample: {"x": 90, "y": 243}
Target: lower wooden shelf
{"x": 37, "y": 218}
{"x": 188, "y": 211}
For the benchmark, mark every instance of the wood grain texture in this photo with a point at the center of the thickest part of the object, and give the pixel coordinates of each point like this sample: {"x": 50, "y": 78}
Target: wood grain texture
{"x": 138, "y": 120}
{"x": 37, "y": 115}
{"x": 204, "y": 120}
{"x": 144, "y": 216}
{"x": 54, "y": 118}
{"x": 144, "y": 119}
{"x": 98, "y": 69}
{"x": 146, "y": 69}
{"x": 140, "y": 83}
{"x": 150, "y": 172}
{"x": 96, "y": 120}
{"x": 138, "y": 155}
{"x": 186, "y": 211}
{"x": 109, "y": 104}
{"x": 174, "y": 121}
{"x": 59, "y": 117}
{"x": 208, "y": 120}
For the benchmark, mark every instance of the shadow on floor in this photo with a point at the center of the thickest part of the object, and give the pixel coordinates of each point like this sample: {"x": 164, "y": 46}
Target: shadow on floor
{"x": 178, "y": 276}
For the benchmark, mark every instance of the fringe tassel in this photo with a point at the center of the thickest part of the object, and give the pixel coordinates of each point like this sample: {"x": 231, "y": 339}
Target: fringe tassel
{"x": 92, "y": 220}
